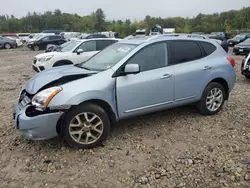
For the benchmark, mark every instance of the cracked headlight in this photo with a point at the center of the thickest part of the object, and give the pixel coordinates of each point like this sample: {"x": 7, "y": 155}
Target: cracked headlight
{"x": 42, "y": 99}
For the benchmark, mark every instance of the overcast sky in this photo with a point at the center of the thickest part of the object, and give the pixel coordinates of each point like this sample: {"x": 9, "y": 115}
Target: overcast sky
{"x": 122, "y": 9}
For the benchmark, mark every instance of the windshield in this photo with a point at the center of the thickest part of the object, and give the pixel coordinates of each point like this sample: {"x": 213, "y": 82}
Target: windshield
{"x": 68, "y": 46}
{"x": 239, "y": 37}
{"x": 247, "y": 41}
{"x": 108, "y": 57}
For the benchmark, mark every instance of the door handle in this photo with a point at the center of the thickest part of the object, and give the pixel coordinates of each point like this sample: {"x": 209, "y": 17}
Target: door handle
{"x": 166, "y": 76}
{"x": 206, "y": 68}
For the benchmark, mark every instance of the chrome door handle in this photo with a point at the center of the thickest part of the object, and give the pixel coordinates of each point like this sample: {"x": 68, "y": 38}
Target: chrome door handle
{"x": 166, "y": 76}
{"x": 207, "y": 68}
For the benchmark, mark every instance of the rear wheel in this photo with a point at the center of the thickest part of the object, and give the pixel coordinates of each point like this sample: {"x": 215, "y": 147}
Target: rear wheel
{"x": 212, "y": 99}
{"x": 7, "y": 46}
{"x": 85, "y": 126}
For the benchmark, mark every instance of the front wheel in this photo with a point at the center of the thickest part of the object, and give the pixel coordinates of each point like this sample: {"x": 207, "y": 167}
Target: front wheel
{"x": 212, "y": 99}
{"x": 7, "y": 46}
{"x": 85, "y": 126}
{"x": 36, "y": 48}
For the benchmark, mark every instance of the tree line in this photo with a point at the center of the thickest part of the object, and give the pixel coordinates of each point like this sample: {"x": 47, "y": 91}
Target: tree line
{"x": 228, "y": 21}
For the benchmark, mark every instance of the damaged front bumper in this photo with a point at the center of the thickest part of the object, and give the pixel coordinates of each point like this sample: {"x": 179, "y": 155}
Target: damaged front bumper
{"x": 41, "y": 126}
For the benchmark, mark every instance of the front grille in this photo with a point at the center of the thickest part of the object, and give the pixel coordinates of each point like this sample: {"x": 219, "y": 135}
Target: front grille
{"x": 41, "y": 68}
{"x": 35, "y": 69}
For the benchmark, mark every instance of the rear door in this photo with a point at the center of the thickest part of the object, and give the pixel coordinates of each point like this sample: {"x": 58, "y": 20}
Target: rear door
{"x": 54, "y": 40}
{"x": 44, "y": 42}
{"x": 192, "y": 69}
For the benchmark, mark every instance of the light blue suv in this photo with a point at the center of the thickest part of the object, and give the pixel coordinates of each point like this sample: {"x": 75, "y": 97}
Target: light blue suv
{"x": 129, "y": 78}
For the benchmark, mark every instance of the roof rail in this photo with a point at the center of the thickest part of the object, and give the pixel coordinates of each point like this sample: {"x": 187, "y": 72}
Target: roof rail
{"x": 153, "y": 37}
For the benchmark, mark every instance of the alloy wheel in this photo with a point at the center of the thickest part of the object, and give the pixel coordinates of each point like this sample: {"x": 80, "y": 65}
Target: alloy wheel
{"x": 7, "y": 46}
{"x": 214, "y": 99}
{"x": 86, "y": 128}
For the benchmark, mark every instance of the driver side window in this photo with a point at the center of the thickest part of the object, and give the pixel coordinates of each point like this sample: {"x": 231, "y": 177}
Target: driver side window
{"x": 45, "y": 39}
{"x": 151, "y": 57}
{"x": 88, "y": 46}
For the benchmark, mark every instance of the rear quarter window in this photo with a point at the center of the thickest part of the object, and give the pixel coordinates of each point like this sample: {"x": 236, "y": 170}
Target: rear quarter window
{"x": 208, "y": 47}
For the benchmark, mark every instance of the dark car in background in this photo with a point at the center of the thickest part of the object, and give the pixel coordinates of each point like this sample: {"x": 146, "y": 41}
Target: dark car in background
{"x": 57, "y": 32}
{"x": 242, "y": 48}
{"x": 238, "y": 39}
{"x": 221, "y": 34}
{"x": 53, "y": 47}
{"x": 42, "y": 43}
{"x": 91, "y": 36}
{"x": 223, "y": 40}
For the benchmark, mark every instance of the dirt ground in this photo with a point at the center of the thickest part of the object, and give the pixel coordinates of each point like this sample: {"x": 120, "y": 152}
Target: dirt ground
{"x": 174, "y": 148}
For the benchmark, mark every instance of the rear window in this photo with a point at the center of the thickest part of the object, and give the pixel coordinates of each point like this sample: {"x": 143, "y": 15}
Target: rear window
{"x": 208, "y": 47}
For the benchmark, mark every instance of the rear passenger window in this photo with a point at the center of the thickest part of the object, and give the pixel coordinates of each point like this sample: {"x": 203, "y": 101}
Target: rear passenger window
{"x": 208, "y": 47}
{"x": 101, "y": 44}
{"x": 185, "y": 51}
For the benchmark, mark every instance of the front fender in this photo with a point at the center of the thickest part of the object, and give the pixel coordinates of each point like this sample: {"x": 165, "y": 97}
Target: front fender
{"x": 107, "y": 97}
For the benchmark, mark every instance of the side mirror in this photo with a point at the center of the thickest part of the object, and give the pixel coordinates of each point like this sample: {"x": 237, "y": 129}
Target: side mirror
{"x": 132, "y": 69}
{"x": 79, "y": 51}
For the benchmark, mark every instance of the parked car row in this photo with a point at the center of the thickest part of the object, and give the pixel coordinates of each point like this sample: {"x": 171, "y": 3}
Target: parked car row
{"x": 74, "y": 52}
{"x": 126, "y": 78}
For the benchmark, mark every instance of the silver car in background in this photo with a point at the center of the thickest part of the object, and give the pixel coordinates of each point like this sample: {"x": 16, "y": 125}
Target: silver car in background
{"x": 7, "y": 43}
{"x": 128, "y": 78}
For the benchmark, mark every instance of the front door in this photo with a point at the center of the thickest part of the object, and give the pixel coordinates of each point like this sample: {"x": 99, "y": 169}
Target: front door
{"x": 150, "y": 90}
{"x": 89, "y": 49}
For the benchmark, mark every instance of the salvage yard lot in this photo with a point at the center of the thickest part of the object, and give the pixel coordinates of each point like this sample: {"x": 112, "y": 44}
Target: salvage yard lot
{"x": 174, "y": 148}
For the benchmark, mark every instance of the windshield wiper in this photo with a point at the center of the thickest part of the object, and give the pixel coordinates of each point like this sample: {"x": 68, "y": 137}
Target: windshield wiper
{"x": 82, "y": 67}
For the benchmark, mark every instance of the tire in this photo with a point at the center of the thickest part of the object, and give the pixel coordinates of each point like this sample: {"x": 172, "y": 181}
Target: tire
{"x": 247, "y": 76}
{"x": 62, "y": 63}
{"x": 36, "y": 48}
{"x": 71, "y": 132}
{"x": 7, "y": 46}
{"x": 202, "y": 105}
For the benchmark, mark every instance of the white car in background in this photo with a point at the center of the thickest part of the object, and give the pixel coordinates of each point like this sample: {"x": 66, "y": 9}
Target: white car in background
{"x": 38, "y": 36}
{"x": 77, "y": 51}
{"x": 23, "y": 36}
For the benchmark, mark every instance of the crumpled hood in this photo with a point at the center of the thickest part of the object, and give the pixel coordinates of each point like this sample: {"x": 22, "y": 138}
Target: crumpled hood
{"x": 48, "y": 76}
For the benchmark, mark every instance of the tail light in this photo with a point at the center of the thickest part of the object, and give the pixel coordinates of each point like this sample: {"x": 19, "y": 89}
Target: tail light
{"x": 232, "y": 61}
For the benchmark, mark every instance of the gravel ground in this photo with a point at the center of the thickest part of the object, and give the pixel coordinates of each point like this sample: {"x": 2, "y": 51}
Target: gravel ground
{"x": 175, "y": 148}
